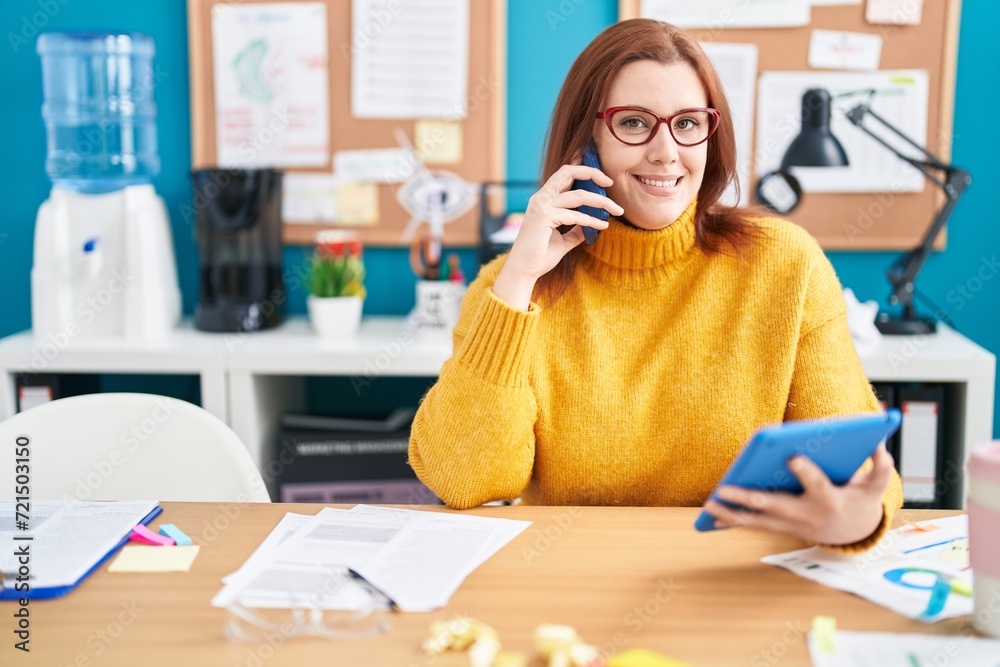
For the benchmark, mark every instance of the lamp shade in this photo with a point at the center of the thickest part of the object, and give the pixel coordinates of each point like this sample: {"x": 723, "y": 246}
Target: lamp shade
{"x": 815, "y": 146}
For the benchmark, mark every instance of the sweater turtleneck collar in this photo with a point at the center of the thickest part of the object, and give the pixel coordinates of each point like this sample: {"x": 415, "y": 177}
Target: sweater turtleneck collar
{"x": 622, "y": 249}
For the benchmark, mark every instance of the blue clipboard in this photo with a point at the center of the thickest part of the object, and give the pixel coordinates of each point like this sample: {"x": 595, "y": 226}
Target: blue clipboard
{"x": 837, "y": 446}
{"x": 59, "y": 591}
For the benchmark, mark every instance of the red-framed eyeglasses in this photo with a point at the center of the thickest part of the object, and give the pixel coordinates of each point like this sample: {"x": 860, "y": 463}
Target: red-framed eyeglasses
{"x": 636, "y": 126}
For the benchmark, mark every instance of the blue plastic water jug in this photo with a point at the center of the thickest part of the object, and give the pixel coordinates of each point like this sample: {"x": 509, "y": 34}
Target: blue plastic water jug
{"x": 98, "y": 109}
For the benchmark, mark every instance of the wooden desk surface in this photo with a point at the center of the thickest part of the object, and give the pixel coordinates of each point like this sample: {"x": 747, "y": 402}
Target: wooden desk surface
{"x": 624, "y": 577}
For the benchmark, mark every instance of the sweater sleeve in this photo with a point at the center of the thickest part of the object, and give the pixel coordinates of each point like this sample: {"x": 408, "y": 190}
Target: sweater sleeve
{"x": 828, "y": 379}
{"x": 472, "y": 439}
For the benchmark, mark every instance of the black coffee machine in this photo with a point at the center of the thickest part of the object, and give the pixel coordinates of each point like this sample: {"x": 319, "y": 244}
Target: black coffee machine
{"x": 239, "y": 242}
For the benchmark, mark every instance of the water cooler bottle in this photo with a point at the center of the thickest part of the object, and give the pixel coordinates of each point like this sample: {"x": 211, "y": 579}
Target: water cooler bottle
{"x": 103, "y": 254}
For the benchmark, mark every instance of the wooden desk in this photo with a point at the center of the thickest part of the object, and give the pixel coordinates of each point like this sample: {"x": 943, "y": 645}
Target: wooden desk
{"x": 624, "y": 577}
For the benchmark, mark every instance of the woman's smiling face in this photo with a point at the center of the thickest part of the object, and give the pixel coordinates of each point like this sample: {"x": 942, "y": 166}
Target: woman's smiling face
{"x": 654, "y": 182}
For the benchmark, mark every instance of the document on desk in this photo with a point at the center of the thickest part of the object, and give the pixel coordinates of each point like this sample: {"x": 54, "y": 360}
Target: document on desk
{"x": 67, "y": 540}
{"x": 418, "y": 559}
{"x": 890, "y": 649}
{"x": 921, "y": 570}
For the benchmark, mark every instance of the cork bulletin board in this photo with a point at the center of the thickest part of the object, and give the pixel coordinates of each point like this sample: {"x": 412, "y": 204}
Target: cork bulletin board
{"x": 483, "y": 129}
{"x": 834, "y": 218}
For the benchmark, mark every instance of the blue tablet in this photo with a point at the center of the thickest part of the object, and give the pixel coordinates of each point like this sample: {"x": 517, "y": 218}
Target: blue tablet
{"x": 838, "y": 446}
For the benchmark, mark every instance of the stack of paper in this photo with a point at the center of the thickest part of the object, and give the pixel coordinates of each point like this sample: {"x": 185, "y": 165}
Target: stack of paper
{"x": 887, "y": 649}
{"x": 62, "y": 541}
{"x": 919, "y": 570}
{"x": 417, "y": 559}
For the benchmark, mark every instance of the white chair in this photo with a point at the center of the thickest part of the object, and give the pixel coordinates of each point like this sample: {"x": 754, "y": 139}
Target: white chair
{"x": 118, "y": 446}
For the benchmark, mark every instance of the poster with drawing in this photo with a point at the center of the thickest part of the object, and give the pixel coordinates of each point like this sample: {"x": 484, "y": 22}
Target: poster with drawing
{"x": 271, "y": 85}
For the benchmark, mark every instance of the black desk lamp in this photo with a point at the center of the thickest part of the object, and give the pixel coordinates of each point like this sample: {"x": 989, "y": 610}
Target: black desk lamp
{"x": 817, "y": 147}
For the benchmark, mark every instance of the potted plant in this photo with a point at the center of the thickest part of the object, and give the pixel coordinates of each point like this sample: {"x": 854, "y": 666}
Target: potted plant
{"x": 336, "y": 284}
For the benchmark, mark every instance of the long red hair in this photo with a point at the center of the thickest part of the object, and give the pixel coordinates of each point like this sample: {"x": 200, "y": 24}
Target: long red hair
{"x": 587, "y": 85}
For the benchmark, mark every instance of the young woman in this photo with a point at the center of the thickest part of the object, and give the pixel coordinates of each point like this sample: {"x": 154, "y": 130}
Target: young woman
{"x": 632, "y": 371}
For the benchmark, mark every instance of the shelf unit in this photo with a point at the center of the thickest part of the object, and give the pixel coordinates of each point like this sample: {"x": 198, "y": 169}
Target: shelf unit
{"x": 248, "y": 380}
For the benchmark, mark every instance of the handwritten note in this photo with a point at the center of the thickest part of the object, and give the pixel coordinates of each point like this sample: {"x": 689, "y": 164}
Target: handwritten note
{"x": 835, "y": 49}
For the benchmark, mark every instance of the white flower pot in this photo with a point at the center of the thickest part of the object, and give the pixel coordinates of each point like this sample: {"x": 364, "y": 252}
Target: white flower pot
{"x": 335, "y": 317}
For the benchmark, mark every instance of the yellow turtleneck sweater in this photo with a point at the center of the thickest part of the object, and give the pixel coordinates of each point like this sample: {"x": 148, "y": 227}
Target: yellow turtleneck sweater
{"x": 641, "y": 383}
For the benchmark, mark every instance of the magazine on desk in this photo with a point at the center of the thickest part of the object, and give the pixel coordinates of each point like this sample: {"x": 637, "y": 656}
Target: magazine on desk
{"x": 61, "y": 542}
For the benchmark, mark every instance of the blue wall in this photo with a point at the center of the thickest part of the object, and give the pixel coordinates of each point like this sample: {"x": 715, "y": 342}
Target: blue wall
{"x": 544, "y": 37}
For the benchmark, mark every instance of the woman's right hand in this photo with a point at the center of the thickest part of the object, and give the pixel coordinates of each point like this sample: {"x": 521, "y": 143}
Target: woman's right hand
{"x": 539, "y": 245}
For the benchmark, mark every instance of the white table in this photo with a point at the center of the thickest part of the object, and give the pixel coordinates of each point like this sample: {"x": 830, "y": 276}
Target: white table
{"x": 247, "y": 380}
{"x": 184, "y": 351}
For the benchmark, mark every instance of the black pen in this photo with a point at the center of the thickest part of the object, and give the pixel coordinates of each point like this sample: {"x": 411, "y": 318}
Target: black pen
{"x": 358, "y": 577}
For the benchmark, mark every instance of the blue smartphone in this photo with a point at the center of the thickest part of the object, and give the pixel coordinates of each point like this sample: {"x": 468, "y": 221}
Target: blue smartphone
{"x": 837, "y": 446}
{"x": 590, "y": 160}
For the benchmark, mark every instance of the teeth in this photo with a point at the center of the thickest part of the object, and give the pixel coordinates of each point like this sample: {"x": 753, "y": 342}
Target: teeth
{"x": 659, "y": 184}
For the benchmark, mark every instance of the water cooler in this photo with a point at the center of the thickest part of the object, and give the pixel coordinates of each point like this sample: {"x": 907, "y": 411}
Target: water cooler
{"x": 103, "y": 254}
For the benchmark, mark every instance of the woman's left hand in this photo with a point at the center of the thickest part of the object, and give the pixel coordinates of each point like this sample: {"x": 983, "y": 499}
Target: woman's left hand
{"x": 823, "y": 513}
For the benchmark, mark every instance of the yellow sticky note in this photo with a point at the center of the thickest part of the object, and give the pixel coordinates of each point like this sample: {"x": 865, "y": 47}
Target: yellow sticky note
{"x": 438, "y": 141}
{"x": 357, "y": 203}
{"x": 138, "y": 558}
{"x": 640, "y": 657}
{"x": 825, "y": 631}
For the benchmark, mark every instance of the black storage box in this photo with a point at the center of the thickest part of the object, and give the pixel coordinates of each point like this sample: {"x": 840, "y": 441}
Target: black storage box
{"x": 346, "y": 461}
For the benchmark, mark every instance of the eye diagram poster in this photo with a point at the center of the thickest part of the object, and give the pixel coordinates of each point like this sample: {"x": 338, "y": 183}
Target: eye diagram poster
{"x": 271, "y": 84}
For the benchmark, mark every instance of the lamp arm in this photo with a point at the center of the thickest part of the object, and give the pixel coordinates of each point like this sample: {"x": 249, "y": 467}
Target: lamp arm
{"x": 857, "y": 116}
{"x": 903, "y": 272}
